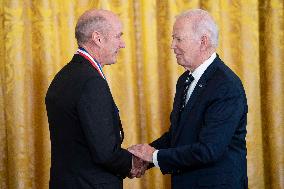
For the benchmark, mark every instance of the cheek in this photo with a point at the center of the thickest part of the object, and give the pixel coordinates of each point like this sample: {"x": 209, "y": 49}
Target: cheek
{"x": 113, "y": 47}
{"x": 183, "y": 48}
{"x": 188, "y": 52}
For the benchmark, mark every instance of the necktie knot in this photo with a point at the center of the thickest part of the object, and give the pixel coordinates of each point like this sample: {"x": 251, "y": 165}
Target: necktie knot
{"x": 189, "y": 79}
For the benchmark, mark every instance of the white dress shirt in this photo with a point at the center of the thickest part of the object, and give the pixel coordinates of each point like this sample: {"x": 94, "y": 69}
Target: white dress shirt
{"x": 197, "y": 73}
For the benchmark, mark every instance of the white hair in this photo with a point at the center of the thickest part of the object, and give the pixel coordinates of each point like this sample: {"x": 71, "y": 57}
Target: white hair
{"x": 202, "y": 24}
{"x": 86, "y": 26}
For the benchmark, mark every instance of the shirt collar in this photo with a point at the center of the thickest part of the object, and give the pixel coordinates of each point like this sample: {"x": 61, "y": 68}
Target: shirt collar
{"x": 197, "y": 73}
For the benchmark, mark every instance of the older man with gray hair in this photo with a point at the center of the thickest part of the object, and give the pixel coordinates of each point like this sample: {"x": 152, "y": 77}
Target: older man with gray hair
{"x": 205, "y": 146}
{"x": 84, "y": 123}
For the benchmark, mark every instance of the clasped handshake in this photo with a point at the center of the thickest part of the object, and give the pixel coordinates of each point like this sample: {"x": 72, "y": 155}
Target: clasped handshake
{"x": 142, "y": 156}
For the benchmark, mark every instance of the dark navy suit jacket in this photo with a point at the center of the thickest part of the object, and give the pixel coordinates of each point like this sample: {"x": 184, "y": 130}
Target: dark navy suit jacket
{"x": 205, "y": 146}
{"x": 85, "y": 130}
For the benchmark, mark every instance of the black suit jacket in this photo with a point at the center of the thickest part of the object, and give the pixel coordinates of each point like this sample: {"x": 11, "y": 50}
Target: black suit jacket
{"x": 85, "y": 130}
{"x": 205, "y": 146}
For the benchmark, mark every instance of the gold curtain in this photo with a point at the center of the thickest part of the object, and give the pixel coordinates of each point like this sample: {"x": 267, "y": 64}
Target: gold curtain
{"x": 37, "y": 39}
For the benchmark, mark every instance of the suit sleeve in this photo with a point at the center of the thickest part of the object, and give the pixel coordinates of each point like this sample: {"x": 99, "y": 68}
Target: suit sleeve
{"x": 96, "y": 113}
{"x": 221, "y": 119}
{"x": 162, "y": 142}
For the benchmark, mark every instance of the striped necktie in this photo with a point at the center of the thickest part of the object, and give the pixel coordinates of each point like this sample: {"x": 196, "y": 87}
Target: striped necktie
{"x": 186, "y": 85}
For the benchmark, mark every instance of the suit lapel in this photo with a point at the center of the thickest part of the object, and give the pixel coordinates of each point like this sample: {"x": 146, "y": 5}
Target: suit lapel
{"x": 77, "y": 59}
{"x": 194, "y": 98}
{"x": 198, "y": 90}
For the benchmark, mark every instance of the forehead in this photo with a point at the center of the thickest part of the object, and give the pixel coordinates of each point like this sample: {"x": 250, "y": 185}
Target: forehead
{"x": 182, "y": 26}
{"x": 114, "y": 20}
{"x": 116, "y": 25}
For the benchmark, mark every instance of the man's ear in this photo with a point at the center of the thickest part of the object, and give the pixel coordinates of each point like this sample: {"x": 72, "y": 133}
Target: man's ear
{"x": 97, "y": 38}
{"x": 204, "y": 42}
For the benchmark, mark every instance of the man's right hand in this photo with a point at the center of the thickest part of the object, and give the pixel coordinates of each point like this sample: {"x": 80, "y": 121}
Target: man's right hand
{"x": 138, "y": 167}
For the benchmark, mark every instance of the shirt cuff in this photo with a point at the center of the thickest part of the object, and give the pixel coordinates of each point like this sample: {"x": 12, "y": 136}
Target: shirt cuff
{"x": 155, "y": 158}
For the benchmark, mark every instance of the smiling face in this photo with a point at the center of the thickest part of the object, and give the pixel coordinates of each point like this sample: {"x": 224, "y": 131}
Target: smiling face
{"x": 185, "y": 45}
{"x": 112, "y": 42}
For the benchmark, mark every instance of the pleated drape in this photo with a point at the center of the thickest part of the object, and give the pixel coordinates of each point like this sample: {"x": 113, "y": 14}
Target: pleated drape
{"x": 37, "y": 39}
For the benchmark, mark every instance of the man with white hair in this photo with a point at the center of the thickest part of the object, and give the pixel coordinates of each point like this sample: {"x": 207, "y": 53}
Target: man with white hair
{"x": 205, "y": 146}
{"x": 84, "y": 123}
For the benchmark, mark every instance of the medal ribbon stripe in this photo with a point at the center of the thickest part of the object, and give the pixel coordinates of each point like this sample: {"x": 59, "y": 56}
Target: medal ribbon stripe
{"x": 87, "y": 56}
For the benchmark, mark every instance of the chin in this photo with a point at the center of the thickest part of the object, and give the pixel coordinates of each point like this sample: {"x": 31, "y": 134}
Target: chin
{"x": 180, "y": 63}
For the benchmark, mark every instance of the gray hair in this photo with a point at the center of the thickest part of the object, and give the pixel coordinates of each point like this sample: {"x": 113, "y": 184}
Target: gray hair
{"x": 86, "y": 26}
{"x": 202, "y": 24}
